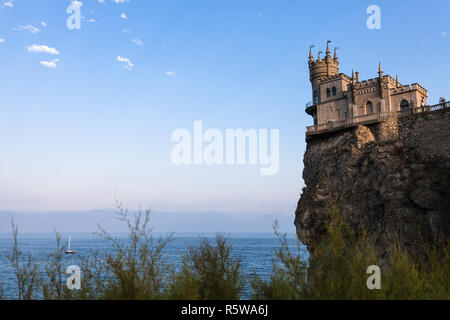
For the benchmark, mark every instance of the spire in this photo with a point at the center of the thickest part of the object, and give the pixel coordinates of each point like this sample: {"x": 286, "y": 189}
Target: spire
{"x": 310, "y": 53}
{"x": 380, "y": 70}
{"x": 396, "y": 81}
{"x": 328, "y": 48}
{"x": 335, "y": 54}
{"x": 320, "y": 52}
{"x": 353, "y": 76}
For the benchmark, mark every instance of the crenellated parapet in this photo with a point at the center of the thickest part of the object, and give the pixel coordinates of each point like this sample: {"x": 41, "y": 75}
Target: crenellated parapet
{"x": 323, "y": 68}
{"x": 413, "y": 87}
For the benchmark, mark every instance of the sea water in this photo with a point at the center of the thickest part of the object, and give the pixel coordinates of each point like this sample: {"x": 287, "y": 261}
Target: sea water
{"x": 255, "y": 250}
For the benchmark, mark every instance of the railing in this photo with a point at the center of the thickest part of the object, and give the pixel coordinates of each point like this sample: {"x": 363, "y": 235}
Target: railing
{"x": 435, "y": 107}
{"x": 371, "y": 118}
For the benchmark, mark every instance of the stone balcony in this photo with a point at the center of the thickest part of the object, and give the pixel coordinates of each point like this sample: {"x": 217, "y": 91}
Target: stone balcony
{"x": 369, "y": 119}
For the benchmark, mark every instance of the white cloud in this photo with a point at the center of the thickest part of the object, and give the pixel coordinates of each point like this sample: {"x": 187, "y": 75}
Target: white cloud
{"x": 123, "y": 15}
{"x": 443, "y": 34}
{"x": 120, "y": 1}
{"x": 50, "y": 64}
{"x": 28, "y": 27}
{"x": 44, "y": 24}
{"x": 127, "y": 63}
{"x": 91, "y": 20}
{"x": 77, "y": 4}
{"x": 171, "y": 73}
{"x": 9, "y": 4}
{"x": 42, "y": 49}
{"x": 137, "y": 42}
{"x": 2, "y": 40}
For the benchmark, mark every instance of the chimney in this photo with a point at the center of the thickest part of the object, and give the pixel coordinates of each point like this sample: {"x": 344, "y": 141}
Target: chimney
{"x": 357, "y": 77}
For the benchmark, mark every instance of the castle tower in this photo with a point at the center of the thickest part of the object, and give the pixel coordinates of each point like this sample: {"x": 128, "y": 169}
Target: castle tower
{"x": 323, "y": 68}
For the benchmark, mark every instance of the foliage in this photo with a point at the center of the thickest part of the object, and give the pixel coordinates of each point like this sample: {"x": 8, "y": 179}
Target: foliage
{"x": 339, "y": 264}
{"x": 26, "y": 269}
{"x": 289, "y": 274}
{"x": 208, "y": 273}
{"x": 133, "y": 270}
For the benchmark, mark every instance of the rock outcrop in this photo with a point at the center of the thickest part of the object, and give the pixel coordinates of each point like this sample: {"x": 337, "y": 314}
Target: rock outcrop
{"x": 388, "y": 178}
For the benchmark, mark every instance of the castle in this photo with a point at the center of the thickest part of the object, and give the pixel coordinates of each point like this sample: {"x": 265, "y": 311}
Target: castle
{"x": 341, "y": 101}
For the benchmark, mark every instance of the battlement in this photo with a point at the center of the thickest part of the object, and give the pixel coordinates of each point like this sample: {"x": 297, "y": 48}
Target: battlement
{"x": 400, "y": 89}
{"x": 366, "y": 83}
{"x": 340, "y": 76}
{"x": 323, "y": 68}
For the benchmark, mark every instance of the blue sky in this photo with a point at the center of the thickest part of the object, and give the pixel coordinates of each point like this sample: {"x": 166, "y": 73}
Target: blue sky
{"x": 73, "y": 133}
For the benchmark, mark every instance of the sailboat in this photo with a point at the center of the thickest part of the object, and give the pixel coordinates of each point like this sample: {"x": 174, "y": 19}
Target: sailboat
{"x": 68, "y": 251}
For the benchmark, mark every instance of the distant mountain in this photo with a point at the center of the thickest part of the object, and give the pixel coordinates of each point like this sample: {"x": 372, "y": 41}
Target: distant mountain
{"x": 203, "y": 222}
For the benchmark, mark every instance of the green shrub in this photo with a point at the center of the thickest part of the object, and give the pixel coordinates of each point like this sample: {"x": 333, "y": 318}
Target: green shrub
{"x": 410, "y": 278}
{"x": 54, "y": 287}
{"x": 132, "y": 270}
{"x": 93, "y": 284}
{"x": 208, "y": 272}
{"x": 338, "y": 268}
{"x": 288, "y": 278}
{"x": 340, "y": 261}
{"x": 26, "y": 269}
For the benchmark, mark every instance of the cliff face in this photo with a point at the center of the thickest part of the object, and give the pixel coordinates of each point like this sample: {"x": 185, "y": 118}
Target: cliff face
{"x": 390, "y": 178}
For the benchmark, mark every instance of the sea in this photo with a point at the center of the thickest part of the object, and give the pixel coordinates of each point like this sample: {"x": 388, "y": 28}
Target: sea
{"x": 255, "y": 249}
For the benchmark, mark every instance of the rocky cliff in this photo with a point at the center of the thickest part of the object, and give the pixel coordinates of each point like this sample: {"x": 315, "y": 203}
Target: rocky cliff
{"x": 390, "y": 178}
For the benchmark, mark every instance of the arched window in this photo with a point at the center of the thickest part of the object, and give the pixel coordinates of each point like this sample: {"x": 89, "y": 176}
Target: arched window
{"x": 334, "y": 91}
{"x": 316, "y": 97}
{"x": 404, "y": 106}
{"x": 328, "y": 92}
{"x": 369, "y": 107}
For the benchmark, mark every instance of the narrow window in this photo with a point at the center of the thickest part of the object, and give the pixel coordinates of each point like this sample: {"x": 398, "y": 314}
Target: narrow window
{"x": 316, "y": 97}
{"x": 334, "y": 91}
{"x": 404, "y": 106}
{"x": 328, "y": 92}
{"x": 369, "y": 108}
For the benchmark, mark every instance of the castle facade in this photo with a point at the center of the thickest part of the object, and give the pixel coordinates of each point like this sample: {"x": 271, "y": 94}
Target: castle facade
{"x": 340, "y": 101}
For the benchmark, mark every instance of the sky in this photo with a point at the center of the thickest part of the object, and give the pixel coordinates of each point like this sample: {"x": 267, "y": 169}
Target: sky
{"x": 87, "y": 114}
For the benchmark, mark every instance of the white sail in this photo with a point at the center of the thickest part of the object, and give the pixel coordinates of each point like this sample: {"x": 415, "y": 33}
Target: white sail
{"x": 68, "y": 251}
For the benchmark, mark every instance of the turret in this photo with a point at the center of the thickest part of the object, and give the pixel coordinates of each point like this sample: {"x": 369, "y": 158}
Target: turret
{"x": 380, "y": 81}
{"x": 323, "y": 68}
